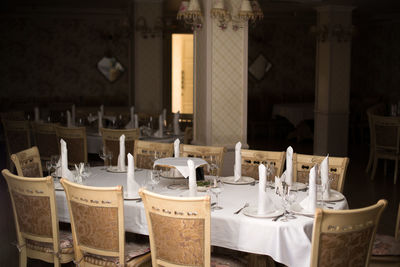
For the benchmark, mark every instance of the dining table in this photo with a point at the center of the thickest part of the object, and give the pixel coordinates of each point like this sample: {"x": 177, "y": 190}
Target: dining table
{"x": 287, "y": 242}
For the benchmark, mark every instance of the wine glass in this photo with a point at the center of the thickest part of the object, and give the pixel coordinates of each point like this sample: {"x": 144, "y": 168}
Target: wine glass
{"x": 49, "y": 166}
{"x": 213, "y": 166}
{"x": 103, "y": 156}
{"x": 109, "y": 156}
{"x": 154, "y": 180}
{"x": 54, "y": 159}
{"x": 270, "y": 171}
{"x": 288, "y": 198}
{"x": 216, "y": 188}
{"x": 86, "y": 172}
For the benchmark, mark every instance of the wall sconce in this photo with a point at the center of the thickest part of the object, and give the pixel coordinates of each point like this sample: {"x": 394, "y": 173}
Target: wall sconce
{"x": 337, "y": 32}
{"x": 190, "y": 13}
{"x": 146, "y": 31}
{"x": 220, "y": 13}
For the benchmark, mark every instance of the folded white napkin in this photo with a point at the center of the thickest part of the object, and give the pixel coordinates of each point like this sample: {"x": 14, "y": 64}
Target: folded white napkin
{"x": 37, "y": 115}
{"x": 289, "y": 166}
{"x": 177, "y": 130}
{"x": 310, "y": 202}
{"x": 69, "y": 123}
{"x": 132, "y": 187}
{"x": 325, "y": 178}
{"x": 136, "y": 121}
{"x": 192, "y": 179}
{"x": 131, "y": 123}
{"x": 176, "y": 147}
{"x": 264, "y": 202}
{"x": 237, "y": 169}
{"x": 100, "y": 120}
{"x": 160, "y": 131}
{"x": 91, "y": 118}
{"x": 122, "y": 155}
{"x": 279, "y": 185}
{"x": 73, "y": 114}
{"x": 65, "y": 172}
{"x": 79, "y": 173}
{"x": 164, "y": 113}
{"x": 102, "y": 110}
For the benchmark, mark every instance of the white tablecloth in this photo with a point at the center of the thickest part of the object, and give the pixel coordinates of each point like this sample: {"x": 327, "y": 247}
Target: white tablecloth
{"x": 286, "y": 242}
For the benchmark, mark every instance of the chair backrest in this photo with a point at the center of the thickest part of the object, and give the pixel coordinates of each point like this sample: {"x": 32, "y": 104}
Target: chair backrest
{"x": 345, "y": 237}
{"x": 188, "y": 135}
{"x": 45, "y": 138}
{"x": 251, "y": 159}
{"x": 179, "y": 229}
{"x": 386, "y": 133}
{"x": 397, "y": 230}
{"x": 211, "y": 154}
{"x": 97, "y": 220}
{"x": 111, "y": 141}
{"x": 12, "y": 115}
{"x": 34, "y": 208}
{"x": 144, "y": 152}
{"x": 17, "y": 135}
{"x": 302, "y": 165}
{"x": 28, "y": 163}
{"x": 75, "y": 137}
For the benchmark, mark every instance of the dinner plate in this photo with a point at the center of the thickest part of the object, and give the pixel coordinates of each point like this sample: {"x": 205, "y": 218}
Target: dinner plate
{"x": 115, "y": 169}
{"x": 127, "y": 197}
{"x": 242, "y": 180}
{"x": 252, "y": 212}
{"x": 298, "y": 186}
{"x": 333, "y": 196}
{"x": 172, "y": 174}
{"x": 297, "y": 209}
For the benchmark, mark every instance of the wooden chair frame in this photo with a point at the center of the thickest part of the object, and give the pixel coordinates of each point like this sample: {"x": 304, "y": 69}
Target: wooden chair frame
{"x": 148, "y": 148}
{"x": 204, "y": 152}
{"x": 25, "y": 158}
{"x": 255, "y": 157}
{"x": 46, "y": 131}
{"x": 378, "y": 109}
{"x": 73, "y": 133}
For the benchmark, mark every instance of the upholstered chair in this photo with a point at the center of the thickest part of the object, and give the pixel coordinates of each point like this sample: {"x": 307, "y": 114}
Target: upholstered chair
{"x": 251, "y": 159}
{"x": 146, "y": 151}
{"x": 378, "y": 109}
{"x": 36, "y": 222}
{"x": 345, "y": 237}
{"x": 75, "y": 137}
{"x": 97, "y": 222}
{"x": 45, "y": 138}
{"x": 28, "y": 163}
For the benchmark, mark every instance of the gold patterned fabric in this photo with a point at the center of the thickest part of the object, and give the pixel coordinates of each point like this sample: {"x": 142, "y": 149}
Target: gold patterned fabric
{"x": 179, "y": 241}
{"x": 225, "y": 261}
{"x": 144, "y": 161}
{"x": 34, "y": 214}
{"x": 96, "y": 226}
{"x": 47, "y": 144}
{"x": 75, "y": 150}
{"x": 18, "y": 140}
{"x": 344, "y": 249}
{"x": 31, "y": 170}
{"x": 66, "y": 244}
{"x": 113, "y": 146}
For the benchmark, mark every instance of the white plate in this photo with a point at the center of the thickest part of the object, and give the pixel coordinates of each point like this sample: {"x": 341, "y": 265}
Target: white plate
{"x": 115, "y": 169}
{"x": 297, "y": 209}
{"x": 126, "y": 197}
{"x": 172, "y": 174}
{"x": 298, "y": 186}
{"x": 333, "y": 196}
{"x": 252, "y": 212}
{"x": 242, "y": 180}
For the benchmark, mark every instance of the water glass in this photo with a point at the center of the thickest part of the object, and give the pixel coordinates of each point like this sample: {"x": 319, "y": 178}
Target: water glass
{"x": 103, "y": 156}
{"x": 213, "y": 168}
{"x": 49, "y": 167}
{"x": 154, "y": 178}
{"x": 216, "y": 188}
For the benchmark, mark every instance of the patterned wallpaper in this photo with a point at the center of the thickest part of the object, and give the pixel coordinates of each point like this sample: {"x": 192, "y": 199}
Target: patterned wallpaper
{"x": 55, "y": 59}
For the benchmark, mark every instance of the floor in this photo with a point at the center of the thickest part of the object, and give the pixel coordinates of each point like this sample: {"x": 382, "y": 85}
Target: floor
{"x": 359, "y": 189}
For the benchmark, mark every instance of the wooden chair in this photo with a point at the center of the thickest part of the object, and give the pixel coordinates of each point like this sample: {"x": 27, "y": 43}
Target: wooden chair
{"x": 28, "y": 163}
{"x": 378, "y": 109}
{"x": 111, "y": 141}
{"x": 36, "y": 222}
{"x": 386, "y": 249}
{"x": 345, "y": 237}
{"x": 46, "y": 140}
{"x": 302, "y": 165}
{"x": 18, "y": 137}
{"x": 179, "y": 231}
{"x": 188, "y": 135}
{"x": 13, "y": 115}
{"x": 144, "y": 152}
{"x": 75, "y": 137}
{"x": 385, "y": 132}
{"x": 211, "y": 154}
{"x": 97, "y": 222}
{"x": 251, "y": 159}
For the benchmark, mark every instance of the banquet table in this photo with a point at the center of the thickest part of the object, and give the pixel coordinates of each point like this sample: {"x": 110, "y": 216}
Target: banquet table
{"x": 286, "y": 242}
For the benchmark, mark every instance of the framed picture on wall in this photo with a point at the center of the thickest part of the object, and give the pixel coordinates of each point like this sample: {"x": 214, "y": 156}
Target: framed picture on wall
{"x": 110, "y": 68}
{"x": 259, "y": 67}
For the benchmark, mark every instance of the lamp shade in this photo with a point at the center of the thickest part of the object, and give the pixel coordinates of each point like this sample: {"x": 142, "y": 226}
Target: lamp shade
{"x": 182, "y": 9}
{"x": 219, "y": 4}
{"x": 245, "y": 6}
{"x": 194, "y": 6}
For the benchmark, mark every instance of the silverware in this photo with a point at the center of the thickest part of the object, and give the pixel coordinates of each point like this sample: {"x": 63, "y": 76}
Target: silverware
{"x": 239, "y": 210}
{"x": 213, "y": 204}
{"x": 277, "y": 217}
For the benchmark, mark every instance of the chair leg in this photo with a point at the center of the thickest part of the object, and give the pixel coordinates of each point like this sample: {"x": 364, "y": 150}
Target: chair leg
{"x": 370, "y": 160}
{"x": 374, "y": 168}
{"x": 22, "y": 257}
{"x": 396, "y": 167}
{"x": 56, "y": 261}
{"x": 385, "y": 167}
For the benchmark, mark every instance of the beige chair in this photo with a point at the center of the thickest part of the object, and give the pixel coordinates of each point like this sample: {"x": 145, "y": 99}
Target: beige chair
{"x": 179, "y": 231}
{"x": 46, "y": 140}
{"x": 252, "y": 158}
{"x": 75, "y": 137}
{"x": 97, "y": 223}
{"x": 378, "y": 109}
{"x": 211, "y": 154}
{"x": 36, "y": 222}
{"x": 188, "y": 135}
{"x": 386, "y": 249}
{"x": 111, "y": 141}
{"x": 28, "y": 163}
{"x": 302, "y": 165}
{"x": 144, "y": 152}
{"x": 12, "y": 115}
{"x": 18, "y": 137}
{"x": 385, "y": 132}
{"x": 345, "y": 237}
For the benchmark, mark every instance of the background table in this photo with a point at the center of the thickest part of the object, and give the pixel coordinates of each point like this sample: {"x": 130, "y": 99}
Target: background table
{"x": 294, "y": 112}
{"x": 286, "y": 242}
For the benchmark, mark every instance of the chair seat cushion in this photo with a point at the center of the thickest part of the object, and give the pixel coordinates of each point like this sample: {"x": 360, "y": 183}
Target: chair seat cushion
{"x": 66, "y": 244}
{"x": 385, "y": 245}
{"x": 132, "y": 251}
{"x": 225, "y": 261}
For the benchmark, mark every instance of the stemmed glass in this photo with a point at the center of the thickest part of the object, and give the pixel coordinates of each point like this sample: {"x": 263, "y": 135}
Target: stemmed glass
{"x": 103, "y": 156}
{"x": 54, "y": 163}
{"x": 86, "y": 172}
{"x": 270, "y": 169}
{"x": 154, "y": 180}
{"x": 216, "y": 188}
{"x": 109, "y": 156}
{"x": 213, "y": 166}
{"x": 49, "y": 167}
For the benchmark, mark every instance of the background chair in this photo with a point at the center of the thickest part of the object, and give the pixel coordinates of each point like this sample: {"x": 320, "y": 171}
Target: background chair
{"x": 252, "y": 158}
{"x": 302, "y": 165}
{"x": 28, "y": 163}
{"x": 179, "y": 231}
{"x": 75, "y": 137}
{"x": 97, "y": 222}
{"x": 35, "y": 215}
{"x": 111, "y": 141}
{"x": 211, "y": 154}
{"x": 345, "y": 237}
{"x": 46, "y": 140}
{"x": 385, "y": 132}
{"x": 146, "y": 151}
{"x": 378, "y": 109}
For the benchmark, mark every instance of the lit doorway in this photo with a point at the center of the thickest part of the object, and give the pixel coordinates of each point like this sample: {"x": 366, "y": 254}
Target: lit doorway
{"x": 182, "y": 73}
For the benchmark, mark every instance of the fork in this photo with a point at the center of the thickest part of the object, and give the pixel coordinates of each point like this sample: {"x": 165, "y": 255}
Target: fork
{"x": 239, "y": 210}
